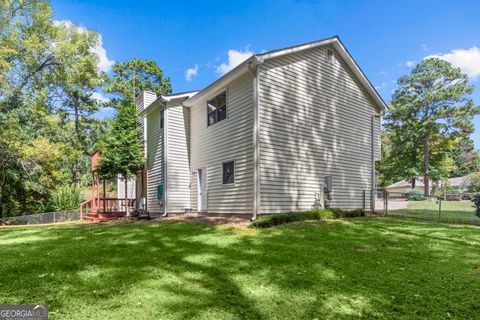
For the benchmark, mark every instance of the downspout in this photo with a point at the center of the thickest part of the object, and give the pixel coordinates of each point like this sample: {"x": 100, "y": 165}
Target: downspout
{"x": 143, "y": 187}
{"x": 252, "y": 66}
{"x": 374, "y": 174}
{"x": 165, "y": 160}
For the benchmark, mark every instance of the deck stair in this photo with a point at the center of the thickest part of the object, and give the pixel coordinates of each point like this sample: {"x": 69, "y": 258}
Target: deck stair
{"x": 100, "y": 208}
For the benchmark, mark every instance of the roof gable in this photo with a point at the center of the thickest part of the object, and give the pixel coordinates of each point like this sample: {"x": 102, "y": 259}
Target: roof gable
{"x": 257, "y": 59}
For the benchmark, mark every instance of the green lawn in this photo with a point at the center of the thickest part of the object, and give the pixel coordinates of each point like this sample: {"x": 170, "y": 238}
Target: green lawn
{"x": 452, "y": 211}
{"x": 380, "y": 268}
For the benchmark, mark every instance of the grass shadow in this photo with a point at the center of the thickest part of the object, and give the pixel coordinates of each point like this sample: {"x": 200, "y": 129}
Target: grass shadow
{"x": 338, "y": 270}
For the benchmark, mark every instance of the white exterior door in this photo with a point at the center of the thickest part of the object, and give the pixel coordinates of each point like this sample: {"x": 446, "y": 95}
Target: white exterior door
{"x": 202, "y": 189}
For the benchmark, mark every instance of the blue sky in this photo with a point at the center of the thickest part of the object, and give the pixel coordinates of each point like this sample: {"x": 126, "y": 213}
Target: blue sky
{"x": 209, "y": 37}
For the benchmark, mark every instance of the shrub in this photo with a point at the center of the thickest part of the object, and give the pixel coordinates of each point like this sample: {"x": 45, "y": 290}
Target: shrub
{"x": 65, "y": 198}
{"x": 416, "y": 195}
{"x": 476, "y": 203}
{"x": 318, "y": 214}
{"x": 338, "y": 213}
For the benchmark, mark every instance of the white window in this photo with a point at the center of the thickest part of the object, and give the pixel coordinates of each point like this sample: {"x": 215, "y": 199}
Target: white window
{"x": 217, "y": 108}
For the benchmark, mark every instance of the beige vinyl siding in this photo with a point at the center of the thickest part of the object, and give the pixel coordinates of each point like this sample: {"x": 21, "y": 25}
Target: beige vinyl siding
{"x": 178, "y": 162}
{"x": 227, "y": 140}
{"x": 378, "y": 140}
{"x": 315, "y": 120}
{"x": 155, "y": 155}
{"x": 142, "y": 101}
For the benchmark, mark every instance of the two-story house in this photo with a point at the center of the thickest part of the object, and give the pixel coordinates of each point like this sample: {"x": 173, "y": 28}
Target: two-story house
{"x": 264, "y": 137}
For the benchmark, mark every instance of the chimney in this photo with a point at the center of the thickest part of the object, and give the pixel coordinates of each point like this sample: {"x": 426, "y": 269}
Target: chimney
{"x": 143, "y": 100}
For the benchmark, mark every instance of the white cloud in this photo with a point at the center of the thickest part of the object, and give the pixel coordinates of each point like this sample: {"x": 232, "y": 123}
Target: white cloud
{"x": 381, "y": 86}
{"x": 410, "y": 63}
{"x": 99, "y": 97}
{"x": 424, "y": 47}
{"x": 69, "y": 24}
{"x": 104, "y": 63}
{"x": 191, "y": 72}
{"x": 468, "y": 60}
{"x": 234, "y": 59}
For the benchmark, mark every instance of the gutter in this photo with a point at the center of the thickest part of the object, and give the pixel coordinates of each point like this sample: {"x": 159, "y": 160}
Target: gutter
{"x": 252, "y": 66}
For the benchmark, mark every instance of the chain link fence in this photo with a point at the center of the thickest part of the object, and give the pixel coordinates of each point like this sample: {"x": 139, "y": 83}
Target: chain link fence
{"x": 42, "y": 218}
{"x": 450, "y": 208}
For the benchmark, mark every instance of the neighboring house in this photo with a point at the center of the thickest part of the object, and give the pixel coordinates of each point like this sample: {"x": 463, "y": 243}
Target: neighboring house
{"x": 263, "y": 138}
{"x": 458, "y": 184}
{"x": 401, "y": 187}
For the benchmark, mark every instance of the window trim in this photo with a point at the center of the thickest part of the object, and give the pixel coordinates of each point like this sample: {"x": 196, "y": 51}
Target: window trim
{"x": 330, "y": 55}
{"x": 234, "y": 173}
{"x": 226, "y": 107}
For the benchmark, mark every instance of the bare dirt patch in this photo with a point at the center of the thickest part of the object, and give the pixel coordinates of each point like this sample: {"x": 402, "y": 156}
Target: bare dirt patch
{"x": 232, "y": 221}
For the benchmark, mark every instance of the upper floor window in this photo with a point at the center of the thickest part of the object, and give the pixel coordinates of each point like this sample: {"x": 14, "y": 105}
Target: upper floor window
{"x": 217, "y": 108}
{"x": 330, "y": 55}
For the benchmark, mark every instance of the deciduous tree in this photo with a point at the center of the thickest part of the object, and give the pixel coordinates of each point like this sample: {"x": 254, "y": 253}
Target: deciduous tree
{"x": 46, "y": 70}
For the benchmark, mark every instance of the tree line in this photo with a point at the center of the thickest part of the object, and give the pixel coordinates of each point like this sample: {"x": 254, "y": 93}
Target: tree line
{"x": 48, "y": 128}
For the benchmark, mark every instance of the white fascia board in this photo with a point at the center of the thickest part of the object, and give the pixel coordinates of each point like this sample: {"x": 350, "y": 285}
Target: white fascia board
{"x": 343, "y": 52}
{"x": 298, "y": 48}
{"x": 159, "y": 103}
{"x": 223, "y": 81}
{"x": 179, "y": 96}
{"x": 340, "y": 48}
{"x": 335, "y": 42}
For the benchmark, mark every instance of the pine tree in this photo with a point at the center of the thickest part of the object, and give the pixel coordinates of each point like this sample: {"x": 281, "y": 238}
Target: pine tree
{"x": 120, "y": 146}
{"x": 429, "y": 110}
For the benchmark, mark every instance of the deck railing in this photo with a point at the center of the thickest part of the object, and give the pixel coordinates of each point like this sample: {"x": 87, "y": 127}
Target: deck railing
{"x": 86, "y": 208}
{"x": 105, "y": 205}
{"x": 114, "y": 204}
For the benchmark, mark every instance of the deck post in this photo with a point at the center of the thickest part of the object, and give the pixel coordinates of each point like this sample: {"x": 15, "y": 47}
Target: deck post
{"x": 104, "y": 197}
{"x": 98, "y": 191}
{"x": 93, "y": 191}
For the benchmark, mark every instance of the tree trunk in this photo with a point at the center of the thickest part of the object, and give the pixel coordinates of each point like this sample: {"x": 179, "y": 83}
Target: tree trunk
{"x": 74, "y": 171}
{"x": 127, "y": 209}
{"x": 426, "y": 165}
{"x": 77, "y": 133}
{"x": 2, "y": 191}
{"x": 413, "y": 180}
